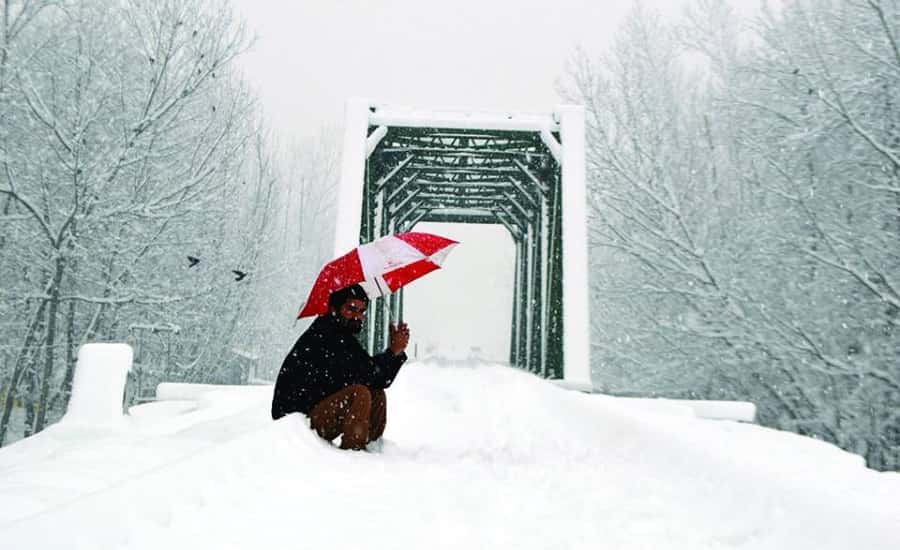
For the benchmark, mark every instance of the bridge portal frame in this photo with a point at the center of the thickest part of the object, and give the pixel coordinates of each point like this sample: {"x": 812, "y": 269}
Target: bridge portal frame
{"x": 525, "y": 172}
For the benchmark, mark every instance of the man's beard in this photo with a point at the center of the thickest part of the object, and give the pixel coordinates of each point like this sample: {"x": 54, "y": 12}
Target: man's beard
{"x": 352, "y": 326}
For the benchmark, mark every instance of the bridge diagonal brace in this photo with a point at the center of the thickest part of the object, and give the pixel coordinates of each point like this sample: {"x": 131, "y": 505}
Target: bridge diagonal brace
{"x": 402, "y": 186}
{"x": 405, "y": 201}
{"x": 534, "y": 179}
{"x": 511, "y": 216}
{"x": 514, "y": 230}
{"x": 525, "y": 213}
{"x": 417, "y": 218}
{"x": 518, "y": 185}
{"x": 401, "y": 217}
{"x": 379, "y": 185}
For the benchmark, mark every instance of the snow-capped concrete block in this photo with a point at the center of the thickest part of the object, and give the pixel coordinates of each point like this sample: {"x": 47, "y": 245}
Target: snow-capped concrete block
{"x": 98, "y": 385}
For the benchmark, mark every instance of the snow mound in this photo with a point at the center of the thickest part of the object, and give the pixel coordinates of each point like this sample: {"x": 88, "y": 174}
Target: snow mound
{"x": 483, "y": 457}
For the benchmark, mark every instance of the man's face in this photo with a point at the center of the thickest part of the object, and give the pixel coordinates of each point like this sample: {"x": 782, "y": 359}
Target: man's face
{"x": 352, "y": 314}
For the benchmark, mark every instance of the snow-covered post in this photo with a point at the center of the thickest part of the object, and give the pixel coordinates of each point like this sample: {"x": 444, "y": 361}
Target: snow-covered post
{"x": 353, "y": 172}
{"x": 98, "y": 385}
{"x": 576, "y": 297}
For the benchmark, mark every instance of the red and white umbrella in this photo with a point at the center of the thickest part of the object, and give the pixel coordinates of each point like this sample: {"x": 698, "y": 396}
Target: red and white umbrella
{"x": 380, "y": 267}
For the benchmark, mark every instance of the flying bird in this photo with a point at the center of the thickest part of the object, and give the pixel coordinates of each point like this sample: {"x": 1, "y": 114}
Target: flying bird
{"x": 240, "y": 274}
{"x": 194, "y": 261}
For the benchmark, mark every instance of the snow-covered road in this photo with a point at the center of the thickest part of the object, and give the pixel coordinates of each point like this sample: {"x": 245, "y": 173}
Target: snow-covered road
{"x": 475, "y": 457}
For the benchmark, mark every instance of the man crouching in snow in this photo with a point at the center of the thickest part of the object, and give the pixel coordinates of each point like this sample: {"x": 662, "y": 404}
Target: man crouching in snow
{"x": 329, "y": 377}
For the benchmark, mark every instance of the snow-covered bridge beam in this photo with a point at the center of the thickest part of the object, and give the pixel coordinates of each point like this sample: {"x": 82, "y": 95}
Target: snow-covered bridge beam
{"x": 402, "y": 187}
{"x": 405, "y": 201}
{"x": 553, "y": 145}
{"x": 537, "y": 183}
{"x": 373, "y": 140}
{"x": 379, "y": 185}
{"x": 393, "y": 116}
{"x": 454, "y": 215}
{"x": 521, "y": 189}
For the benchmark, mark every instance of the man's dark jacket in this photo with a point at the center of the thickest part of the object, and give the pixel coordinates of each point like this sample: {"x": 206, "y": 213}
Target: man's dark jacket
{"x": 325, "y": 359}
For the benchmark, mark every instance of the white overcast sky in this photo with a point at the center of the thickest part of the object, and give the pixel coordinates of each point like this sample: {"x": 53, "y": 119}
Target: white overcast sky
{"x": 486, "y": 54}
{"x": 505, "y": 55}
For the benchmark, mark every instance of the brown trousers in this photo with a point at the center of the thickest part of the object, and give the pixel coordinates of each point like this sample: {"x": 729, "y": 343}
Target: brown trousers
{"x": 357, "y": 412}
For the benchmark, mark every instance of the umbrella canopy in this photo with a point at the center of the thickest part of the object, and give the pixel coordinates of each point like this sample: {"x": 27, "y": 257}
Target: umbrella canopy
{"x": 380, "y": 267}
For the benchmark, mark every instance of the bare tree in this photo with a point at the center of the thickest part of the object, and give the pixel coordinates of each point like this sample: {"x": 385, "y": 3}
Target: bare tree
{"x": 128, "y": 136}
{"x": 827, "y": 74}
{"x": 298, "y": 237}
{"x": 745, "y": 213}
{"x": 657, "y": 221}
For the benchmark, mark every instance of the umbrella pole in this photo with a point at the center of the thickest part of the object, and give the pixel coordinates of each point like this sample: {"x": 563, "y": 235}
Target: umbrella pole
{"x": 386, "y": 306}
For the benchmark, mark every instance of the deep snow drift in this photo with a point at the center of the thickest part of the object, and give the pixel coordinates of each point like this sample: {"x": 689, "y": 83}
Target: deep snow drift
{"x": 475, "y": 457}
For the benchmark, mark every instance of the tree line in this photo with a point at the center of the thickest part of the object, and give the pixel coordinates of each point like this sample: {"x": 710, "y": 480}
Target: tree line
{"x": 141, "y": 200}
{"x": 744, "y": 185}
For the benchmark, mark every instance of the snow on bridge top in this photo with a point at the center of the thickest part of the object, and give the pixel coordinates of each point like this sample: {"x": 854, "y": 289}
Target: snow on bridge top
{"x": 389, "y": 115}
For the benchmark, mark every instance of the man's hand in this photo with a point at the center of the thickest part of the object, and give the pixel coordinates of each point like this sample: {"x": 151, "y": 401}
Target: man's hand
{"x": 399, "y": 337}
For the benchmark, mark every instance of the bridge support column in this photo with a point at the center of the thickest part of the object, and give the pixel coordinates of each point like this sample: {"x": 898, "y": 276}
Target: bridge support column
{"x": 576, "y": 292}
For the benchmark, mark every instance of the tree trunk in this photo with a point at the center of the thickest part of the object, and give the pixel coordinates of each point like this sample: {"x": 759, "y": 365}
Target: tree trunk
{"x": 4, "y": 60}
{"x": 70, "y": 352}
{"x": 65, "y": 388}
{"x": 18, "y": 369}
{"x": 49, "y": 344}
{"x": 31, "y": 377}
{"x": 4, "y": 46}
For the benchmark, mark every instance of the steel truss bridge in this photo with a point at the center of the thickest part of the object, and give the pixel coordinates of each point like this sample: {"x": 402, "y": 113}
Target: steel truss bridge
{"x": 524, "y": 172}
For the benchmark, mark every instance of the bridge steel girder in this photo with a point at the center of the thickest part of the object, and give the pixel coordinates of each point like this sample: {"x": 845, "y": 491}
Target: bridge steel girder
{"x": 525, "y": 173}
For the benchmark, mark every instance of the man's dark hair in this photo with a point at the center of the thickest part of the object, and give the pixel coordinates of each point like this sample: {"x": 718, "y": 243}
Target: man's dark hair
{"x": 339, "y": 297}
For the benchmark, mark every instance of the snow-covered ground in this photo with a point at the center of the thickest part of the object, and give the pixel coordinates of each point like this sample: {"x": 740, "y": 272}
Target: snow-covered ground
{"x": 478, "y": 456}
